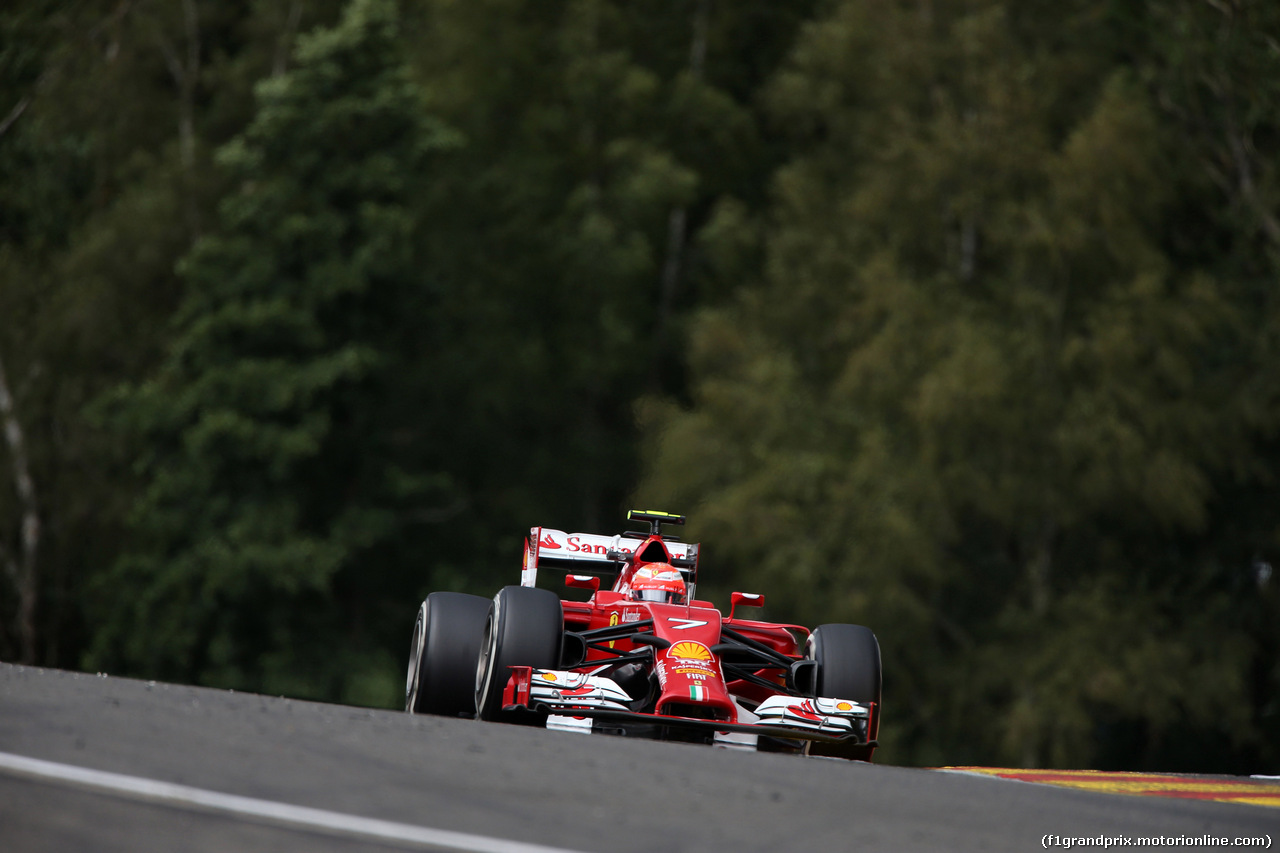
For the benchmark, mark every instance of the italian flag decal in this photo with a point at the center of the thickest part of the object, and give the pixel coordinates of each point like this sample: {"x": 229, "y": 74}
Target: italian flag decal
{"x": 697, "y": 693}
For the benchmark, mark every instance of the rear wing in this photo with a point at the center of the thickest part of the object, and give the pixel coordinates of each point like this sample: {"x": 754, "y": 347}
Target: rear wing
{"x": 594, "y": 554}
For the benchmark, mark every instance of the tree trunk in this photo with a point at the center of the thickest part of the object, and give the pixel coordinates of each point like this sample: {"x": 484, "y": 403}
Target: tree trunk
{"x": 22, "y": 569}
{"x": 677, "y": 222}
{"x": 1039, "y": 583}
{"x": 185, "y": 72}
{"x": 285, "y": 45}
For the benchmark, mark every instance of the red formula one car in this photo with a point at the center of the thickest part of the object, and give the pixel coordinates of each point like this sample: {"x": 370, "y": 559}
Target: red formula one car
{"x": 644, "y": 657}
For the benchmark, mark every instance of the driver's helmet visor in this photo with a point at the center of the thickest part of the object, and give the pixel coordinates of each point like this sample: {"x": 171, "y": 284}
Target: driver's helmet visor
{"x": 660, "y": 596}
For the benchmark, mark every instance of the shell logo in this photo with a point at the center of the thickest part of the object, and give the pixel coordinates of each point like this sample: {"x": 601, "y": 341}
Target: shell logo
{"x": 844, "y": 706}
{"x": 689, "y": 650}
{"x": 548, "y": 676}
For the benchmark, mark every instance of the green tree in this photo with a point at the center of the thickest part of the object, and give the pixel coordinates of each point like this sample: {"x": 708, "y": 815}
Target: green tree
{"x": 599, "y": 137}
{"x": 565, "y": 240}
{"x": 281, "y": 451}
{"x": 110, "y": 111}
{"x": 980, "y": 385}
{"x": 1213, "y": 70}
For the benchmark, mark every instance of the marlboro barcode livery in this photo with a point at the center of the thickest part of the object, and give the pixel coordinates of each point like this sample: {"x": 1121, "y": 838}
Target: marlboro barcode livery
{"x": 644, "y": 657}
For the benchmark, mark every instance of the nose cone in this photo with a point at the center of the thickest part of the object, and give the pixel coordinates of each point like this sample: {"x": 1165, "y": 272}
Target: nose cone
{"x": 688, "y": 671}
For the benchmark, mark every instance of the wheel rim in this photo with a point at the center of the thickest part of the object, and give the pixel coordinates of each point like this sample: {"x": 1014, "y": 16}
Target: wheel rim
{"x": 483, "y": 673}
{"x": 415, "y": 659}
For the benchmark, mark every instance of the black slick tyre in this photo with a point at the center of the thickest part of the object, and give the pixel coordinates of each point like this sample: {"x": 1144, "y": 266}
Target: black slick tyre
{"x": 442, "y": 656}
{"x": 525, "y": 627}
{"x": 848, "y": 658}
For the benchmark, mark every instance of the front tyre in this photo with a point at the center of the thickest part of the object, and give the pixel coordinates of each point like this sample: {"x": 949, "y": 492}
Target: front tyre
{"x": 525, "y": 627}
{"x": 442, "y": 656}
{"x": 848, "y": 658}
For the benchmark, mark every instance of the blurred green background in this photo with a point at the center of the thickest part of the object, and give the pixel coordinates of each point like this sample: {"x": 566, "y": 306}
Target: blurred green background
{"x": 954, "y": 318}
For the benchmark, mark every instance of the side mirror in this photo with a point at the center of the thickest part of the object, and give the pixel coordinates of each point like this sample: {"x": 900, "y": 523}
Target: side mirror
{"x": 584, "y": 582}
{"x": 746, "y": 599}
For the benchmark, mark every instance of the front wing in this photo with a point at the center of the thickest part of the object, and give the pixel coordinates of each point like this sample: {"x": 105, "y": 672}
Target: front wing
{"x": 574, "y": 694}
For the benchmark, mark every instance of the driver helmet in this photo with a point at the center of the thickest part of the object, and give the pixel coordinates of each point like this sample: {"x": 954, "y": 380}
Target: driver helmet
{"x": 658, "y": 582}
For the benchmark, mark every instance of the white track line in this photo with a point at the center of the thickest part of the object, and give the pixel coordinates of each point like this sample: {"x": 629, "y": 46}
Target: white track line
{"x": 167, "y": 792}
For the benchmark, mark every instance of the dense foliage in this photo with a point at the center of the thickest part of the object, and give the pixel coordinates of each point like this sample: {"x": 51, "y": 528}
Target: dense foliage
{"x": 955, "y": 319}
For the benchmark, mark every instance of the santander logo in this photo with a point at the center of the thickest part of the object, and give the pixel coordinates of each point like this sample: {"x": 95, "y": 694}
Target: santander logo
{"x": 547, "y": 542}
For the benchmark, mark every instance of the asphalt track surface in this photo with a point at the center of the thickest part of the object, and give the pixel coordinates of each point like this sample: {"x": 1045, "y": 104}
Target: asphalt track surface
{"x": 494, "y": 784}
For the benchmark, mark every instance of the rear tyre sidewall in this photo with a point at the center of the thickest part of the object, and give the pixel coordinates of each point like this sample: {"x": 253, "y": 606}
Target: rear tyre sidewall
{"x": 525, "y": 627}
{"x": 446, "y": 643}
{"x": 848, "y": 658}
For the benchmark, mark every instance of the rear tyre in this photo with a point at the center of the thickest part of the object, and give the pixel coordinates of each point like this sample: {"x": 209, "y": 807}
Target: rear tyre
{"x": 848, "y": 658}
{"x": 525, "y": 627}
{"x": 442, "y": 656}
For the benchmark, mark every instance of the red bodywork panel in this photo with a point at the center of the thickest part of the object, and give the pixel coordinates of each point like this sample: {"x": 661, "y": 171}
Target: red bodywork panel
{"x": 688, "y": 671}
{"x": 682, "y": 668}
